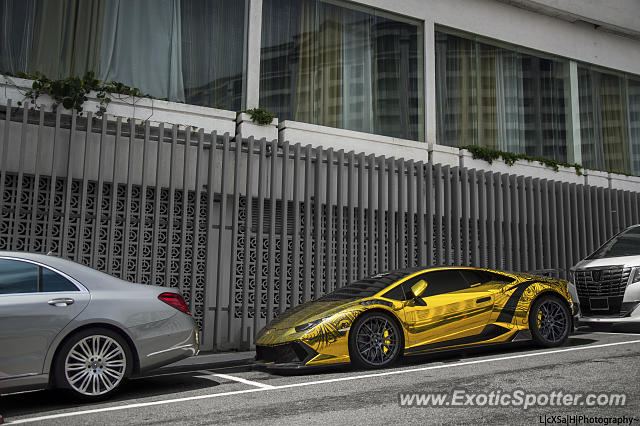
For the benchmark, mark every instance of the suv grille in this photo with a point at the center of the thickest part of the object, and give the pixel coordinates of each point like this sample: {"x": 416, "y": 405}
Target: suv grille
{"x": 598, "y": 282}
{"x": 610, "y": 282}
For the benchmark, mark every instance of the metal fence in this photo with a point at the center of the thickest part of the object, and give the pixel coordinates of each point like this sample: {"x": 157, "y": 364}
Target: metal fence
{"x": 247, "y": 228}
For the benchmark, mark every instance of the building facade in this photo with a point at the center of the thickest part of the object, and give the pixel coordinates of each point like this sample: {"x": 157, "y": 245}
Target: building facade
{"x": 558, "y": 80}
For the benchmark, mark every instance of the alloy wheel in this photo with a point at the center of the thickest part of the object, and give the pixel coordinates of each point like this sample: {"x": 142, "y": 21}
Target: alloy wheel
{"x": 95, "y": 365}
{"x": 377, "y": 340}
{"x": 552, "y": 321}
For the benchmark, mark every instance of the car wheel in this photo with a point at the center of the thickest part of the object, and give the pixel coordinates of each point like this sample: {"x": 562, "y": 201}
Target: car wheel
{"x": 93, "y": 363}
{"x": 375, "y": 340}
{"x": 549, "y": 321}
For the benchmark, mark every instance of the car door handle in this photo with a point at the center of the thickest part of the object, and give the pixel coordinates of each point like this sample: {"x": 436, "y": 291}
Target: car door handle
{"x": 483, "y": 299}
{"x": 65, "y": 301}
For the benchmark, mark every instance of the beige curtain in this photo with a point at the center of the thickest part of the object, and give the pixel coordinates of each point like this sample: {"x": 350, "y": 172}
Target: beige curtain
{"x": 330, "y": 66}
{"x": 67, "y": 37}
{"x": 614, "y": 124}
{"x": 306, "y": 64}
{"x": 487, "y": 96}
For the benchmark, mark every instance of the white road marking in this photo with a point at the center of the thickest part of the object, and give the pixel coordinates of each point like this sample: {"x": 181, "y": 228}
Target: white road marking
{"x": 616, "y": 334}
{"x": 245, "y": 381}
{"x": 317, "y": 382}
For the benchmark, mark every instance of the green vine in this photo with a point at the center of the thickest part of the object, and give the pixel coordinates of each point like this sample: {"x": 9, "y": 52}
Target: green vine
{"x": 260, "y": 116}
{"x": 490, "y": 155}
{"x": 72, "y": 92}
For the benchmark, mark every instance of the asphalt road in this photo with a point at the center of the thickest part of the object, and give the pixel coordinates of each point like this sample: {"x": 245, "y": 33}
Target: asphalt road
{"x": 591, "y": 362}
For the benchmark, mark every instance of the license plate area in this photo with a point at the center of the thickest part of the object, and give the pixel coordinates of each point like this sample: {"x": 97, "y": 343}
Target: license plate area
{"x": 599, "y": 303}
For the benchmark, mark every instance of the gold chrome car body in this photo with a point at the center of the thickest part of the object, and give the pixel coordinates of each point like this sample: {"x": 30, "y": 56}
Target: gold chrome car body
{"x": 487, "y": 312}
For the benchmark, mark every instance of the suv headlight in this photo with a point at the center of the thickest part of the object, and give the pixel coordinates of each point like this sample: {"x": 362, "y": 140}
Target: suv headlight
{"x": 635, "y": 275}
{"x": 572, "y": 276}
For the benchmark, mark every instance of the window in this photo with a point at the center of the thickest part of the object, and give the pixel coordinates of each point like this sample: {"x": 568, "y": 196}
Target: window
{"x": 499, "y": 98}
{"x": 183, "y": 50}
{"x": 626, "y": 243}
{"x": 18, "y": 277}
{"x": 396, "y": 293}
{"x": 338, "y": 66}
{"x": 444, "y": 281}
{"x": 52, "y": 281}
{"x": 609, "y": 121}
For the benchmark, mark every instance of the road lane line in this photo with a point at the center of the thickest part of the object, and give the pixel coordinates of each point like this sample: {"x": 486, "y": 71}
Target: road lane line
{"x": 317, "y": 382}
{"x": 245, "y": 381}
{"x": 613, "y": 333}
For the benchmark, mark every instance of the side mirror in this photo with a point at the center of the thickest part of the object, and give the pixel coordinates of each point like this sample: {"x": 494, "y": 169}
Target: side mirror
{"x": 418, "y": 288}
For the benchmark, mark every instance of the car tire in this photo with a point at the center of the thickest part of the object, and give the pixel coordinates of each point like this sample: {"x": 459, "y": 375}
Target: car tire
{"x": 549, "y": 321}
{"x": 93, "y": 363}
{"x": 375, "y": 340}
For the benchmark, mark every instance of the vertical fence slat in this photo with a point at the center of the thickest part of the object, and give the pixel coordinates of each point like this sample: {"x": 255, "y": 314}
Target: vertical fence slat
{"x": 143, "y": 202}
{"x": 18, "y": 203}
{"x": 317, "y": 225}
{"x": 237, "y": 154}
{"x": 483, "y": 206}
{"x": 519, "y": 251}
{"x": 171, "y": 199}
{"x": 328, "y": 234}
{"x": 4, "y": 151}
{"x": 284, "y": 229}
{"x": 156, "y": 200}
{"x": 424, "y": 193}
{"x": 465, "y": 197}
{"x": 36, "y": 188}
{"x": 184, "y": 208}
{"x": 340, "y": 220}
{"x": 195, "y": 244}
{"x": 411, "y": 197}
{"x": 437, "y": 182}
{"x": 499, "y": 217}
{"x": 454, "y": 234}
{"x": 562, "y": 248}
{"x": 473, "y": 210}
{"x": 529, "y": 230}
{"x": 446, "y": 214}
{"x": 381, "y": 241}
{"x": 257, "y": 291}
{"x": 507, "y": 222}
{"x": 576, "y": 218}
{"x": 67, "y": 192}
{"x": 211, "y": 193}
{"x": 272, "y": 228}
{"x": 537, "y": 209}
{"x": 114, "y": 199}
{"x": 400, "y": 221}
{"x": 248, "y": 226}
{"x": 127, "y": 206}
{"x": 355, "y": 257}
{"x": 391, "y": 240}
{"x": 361, "y": 215}
{"x": 308, "y": 181}
{"x": 371, "y": 235}
{"x": 222, "y": 225}
{"x": 295, "y": 270}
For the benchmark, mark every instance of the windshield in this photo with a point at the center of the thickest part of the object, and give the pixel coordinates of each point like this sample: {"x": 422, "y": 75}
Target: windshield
{"x": 367, "y": 287}
{"x": 626, "y": 243}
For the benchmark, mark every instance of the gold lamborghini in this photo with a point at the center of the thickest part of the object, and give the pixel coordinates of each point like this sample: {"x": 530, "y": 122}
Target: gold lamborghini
{"x": 372, "y": 322}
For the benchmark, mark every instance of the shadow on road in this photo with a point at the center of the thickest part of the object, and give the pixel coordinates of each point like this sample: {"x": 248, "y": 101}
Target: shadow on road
{"x": 48, "y": 400}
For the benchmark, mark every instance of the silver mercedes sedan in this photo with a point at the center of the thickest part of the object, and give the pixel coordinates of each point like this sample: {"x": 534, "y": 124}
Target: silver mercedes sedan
{"x": 68, "y": 326}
